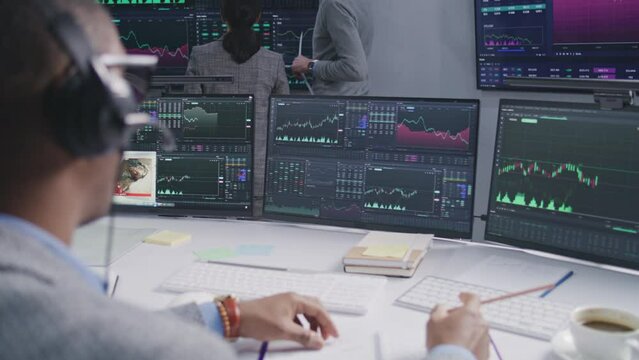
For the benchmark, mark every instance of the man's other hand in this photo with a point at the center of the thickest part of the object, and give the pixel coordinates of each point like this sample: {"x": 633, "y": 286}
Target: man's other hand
{"x": 464, "y": 327}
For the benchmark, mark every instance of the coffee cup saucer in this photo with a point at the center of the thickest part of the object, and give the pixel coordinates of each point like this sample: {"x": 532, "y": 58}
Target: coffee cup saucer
{"x": 564, "y": 346}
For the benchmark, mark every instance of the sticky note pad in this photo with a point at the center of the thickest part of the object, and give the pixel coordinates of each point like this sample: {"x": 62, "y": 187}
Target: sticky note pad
{"x": 254, "y": 250}
{"x": 168, "y": 238}
{"x": 396, "y": 251}
{"x": 215, "y": 254}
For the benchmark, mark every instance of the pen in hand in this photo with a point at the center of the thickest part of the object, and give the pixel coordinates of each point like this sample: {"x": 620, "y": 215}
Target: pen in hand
{"x": 263, "y": 350}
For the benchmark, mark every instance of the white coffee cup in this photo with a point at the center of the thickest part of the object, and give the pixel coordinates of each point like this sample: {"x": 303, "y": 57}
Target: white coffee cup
{"x": 587, "y": 328}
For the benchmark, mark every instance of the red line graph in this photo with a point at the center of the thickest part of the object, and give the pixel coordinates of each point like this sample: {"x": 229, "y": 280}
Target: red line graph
{"x": 431, "y": 138}
{"x": 166, "y": 55}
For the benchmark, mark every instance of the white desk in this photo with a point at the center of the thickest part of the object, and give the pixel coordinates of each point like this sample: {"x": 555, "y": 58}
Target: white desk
{"x": 146, "y": 266}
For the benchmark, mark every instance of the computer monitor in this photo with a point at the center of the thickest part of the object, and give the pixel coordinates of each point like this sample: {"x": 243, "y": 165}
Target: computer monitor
{"x": 566, "y": 181}
{"x": 199, "y": 4}
{"x": 592, "y": 39}
{"x": 170, "y": 29}
{"x": 396, "y": 164}
{"x": 165, "y": 34}
{"x": 210, "y": 173}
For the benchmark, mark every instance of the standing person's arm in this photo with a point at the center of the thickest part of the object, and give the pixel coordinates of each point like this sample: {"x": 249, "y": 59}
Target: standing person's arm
{"x": 281, "y": 83}
{"x": 351, "y": 64}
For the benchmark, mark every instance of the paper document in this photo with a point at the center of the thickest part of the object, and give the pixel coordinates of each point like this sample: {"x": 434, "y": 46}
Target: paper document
{"x": 390, "y": 251}
{"x": 400, "y": 345}
{"x": 351, "y": 345}
{"x": 254, "y": 250}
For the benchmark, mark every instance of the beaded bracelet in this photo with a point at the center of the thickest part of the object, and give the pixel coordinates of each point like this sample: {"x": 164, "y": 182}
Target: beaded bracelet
{"x": 230, "y": 314}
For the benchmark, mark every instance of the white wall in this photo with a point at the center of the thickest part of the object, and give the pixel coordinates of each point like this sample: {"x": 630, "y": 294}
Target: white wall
{"x": 426, "y": 48}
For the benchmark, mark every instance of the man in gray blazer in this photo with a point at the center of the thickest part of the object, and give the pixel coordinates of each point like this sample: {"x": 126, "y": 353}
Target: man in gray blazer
{"x": 51, "y": 305}
{"x": 342, "y": 42}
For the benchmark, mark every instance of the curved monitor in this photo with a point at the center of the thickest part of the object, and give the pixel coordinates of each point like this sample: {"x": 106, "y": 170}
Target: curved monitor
{"x": 396, "y": 164}
{"x": 210, "y": 173}
{"x": 566, "y": 181}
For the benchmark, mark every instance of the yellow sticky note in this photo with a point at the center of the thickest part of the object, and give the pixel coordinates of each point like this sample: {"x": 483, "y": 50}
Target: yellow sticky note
{"x": 396, "y": 251}
{"x": 168, "y": 238}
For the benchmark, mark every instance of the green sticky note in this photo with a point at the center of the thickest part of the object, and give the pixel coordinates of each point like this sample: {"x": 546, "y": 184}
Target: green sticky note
{"x": 215, "y": 254}
{"x": 396, "y": 251}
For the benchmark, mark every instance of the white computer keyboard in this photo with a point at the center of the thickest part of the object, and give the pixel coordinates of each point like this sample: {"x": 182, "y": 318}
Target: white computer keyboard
{"x": 350, "y": 294}
{"x": 525, "y": 315}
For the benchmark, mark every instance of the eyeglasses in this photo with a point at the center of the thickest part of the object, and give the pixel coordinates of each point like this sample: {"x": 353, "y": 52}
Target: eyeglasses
{"x": 135, "y": 69}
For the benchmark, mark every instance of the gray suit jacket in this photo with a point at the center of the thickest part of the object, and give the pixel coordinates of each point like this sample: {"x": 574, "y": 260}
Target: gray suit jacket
{"x": 342, "y": 42}
{"x": 49, "y": 312}
{"x": 263, "y": 75}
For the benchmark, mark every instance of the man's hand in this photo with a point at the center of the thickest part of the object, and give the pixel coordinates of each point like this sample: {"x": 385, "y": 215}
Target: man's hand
{"x": 275, "y": 318}
{"x": 464, "y": 327}
{"x": 300, "y": 65}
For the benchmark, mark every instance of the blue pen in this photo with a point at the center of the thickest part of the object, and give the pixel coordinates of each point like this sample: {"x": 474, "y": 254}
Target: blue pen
{"x": 263, "y": 351}
{"x": 558, "y": 283}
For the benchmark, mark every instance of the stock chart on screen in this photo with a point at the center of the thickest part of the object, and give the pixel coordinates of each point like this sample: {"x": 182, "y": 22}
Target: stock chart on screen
{"x": 210, "y": 173}
{"x": 566, "y": 180}
{"x": 405, "y": 164}
{"x": 166, "y": 37}
{"x": 594, "y": 39}
{"x": 170, "y": 29}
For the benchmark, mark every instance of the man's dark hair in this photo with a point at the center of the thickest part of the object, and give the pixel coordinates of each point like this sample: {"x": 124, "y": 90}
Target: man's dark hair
{"x": 32, "y": 58}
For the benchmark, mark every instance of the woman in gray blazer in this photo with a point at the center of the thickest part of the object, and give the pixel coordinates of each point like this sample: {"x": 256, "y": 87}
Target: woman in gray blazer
{"x": 255, "y": 70}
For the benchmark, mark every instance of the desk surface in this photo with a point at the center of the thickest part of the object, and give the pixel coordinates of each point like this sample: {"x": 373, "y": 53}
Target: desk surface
{"x": 403, "y": 331}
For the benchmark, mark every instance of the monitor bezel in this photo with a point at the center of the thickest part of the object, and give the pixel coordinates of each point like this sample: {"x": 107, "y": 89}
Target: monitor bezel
{"x": 536, "y": 246}
{"x": 199, "y": 211}
{"x": 360, "y": 225}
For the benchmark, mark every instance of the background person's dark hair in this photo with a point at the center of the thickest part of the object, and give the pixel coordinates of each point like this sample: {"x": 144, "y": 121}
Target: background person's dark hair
{"x": 241, "y": 41}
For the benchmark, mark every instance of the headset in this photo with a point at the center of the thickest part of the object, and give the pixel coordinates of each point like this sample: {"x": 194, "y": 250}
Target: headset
{"x": 93, "y": 109}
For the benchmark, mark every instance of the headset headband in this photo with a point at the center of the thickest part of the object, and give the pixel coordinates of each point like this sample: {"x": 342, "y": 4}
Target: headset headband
{"x": 69, "y": 35}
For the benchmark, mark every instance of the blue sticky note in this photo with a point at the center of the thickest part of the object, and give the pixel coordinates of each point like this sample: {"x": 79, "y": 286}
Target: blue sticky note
{"x": 254, "y": 250}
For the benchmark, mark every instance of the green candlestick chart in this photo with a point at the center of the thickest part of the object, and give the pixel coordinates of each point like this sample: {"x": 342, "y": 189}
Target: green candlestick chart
{"x": 536, "y": 168}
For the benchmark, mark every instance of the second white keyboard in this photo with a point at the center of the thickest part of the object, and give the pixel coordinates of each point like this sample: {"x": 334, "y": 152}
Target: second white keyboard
{"x": 350, "y": 294}
{"x": 525, "y": 315}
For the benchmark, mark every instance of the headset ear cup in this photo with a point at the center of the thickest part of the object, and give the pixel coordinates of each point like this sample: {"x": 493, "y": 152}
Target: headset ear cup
{"x": 82, "y": 117}
{"x": 87, "y": 116}
{"x": 64, "y": 114}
